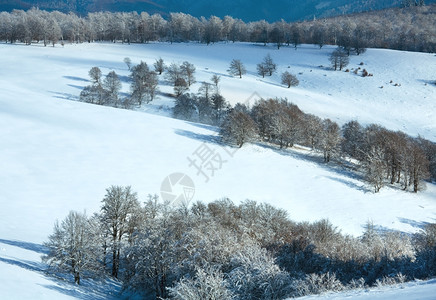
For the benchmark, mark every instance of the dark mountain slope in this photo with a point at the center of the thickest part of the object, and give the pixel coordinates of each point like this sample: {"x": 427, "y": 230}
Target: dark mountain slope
{"x": 247, "y": 10}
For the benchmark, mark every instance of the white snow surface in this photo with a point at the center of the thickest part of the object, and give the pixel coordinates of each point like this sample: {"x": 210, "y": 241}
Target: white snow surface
{"x": 58, "y": 154}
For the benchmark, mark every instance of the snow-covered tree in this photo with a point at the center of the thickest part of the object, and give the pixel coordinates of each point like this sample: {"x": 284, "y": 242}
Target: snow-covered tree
{"x": 95, "y": 74}
{"x": 144, "y": 83}
{"x": 159, "y": 66}
{"x": 185, "y": 107}
{"x": 72, "y": 247}
{"x": 94, "y": 94}
{"x": 254, "y": 275}
{"x": 188, "y": 70}
{"x": 119, "y": 206}
{"x": 207, "y": 284}
{"x": 112, "y": 84}
{"x": 173, "y": 72}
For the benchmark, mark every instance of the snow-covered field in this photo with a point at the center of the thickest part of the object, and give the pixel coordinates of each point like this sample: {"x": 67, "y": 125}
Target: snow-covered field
{"x": 59, "y": 155}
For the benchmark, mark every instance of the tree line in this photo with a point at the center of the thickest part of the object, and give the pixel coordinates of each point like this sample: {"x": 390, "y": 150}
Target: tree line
{"x": 222, "y": 250}
{"x": 409, "y": 28}
{"x": 384, "y": 156}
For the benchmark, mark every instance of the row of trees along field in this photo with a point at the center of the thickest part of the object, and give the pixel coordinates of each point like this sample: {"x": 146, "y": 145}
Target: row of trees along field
{"x": 221, "y": 250}
{"x": 410, "y": 28}
{"x": 105, "y": 90}
{"x": 384, "y": 156}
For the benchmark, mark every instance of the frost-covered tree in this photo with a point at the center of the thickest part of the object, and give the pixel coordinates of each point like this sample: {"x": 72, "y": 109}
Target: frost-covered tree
{"x": 173, "y": 72}
{"x": 254, "y": 275}
{"x": 185, "y": 107}
{"x": 237, "y": 68}
{"x": 213, "y": 29}
{"x": 112, "y": 85}
{"x": 289, "y": 79}
{"x": 204, "y": 108}
{"x": 94, "y": 94}
{"x": 219, "y": 107}
{"x": 375, "y": 167}
{"x": 72, "y": 247}
{"x": 95, "y": 74}
{"x": 159, "y": 66}
{"x": 144, "y": 83}
{"x": 188, "y": 70}
{"x": 120, "y": 204}
{"x": 207, "y": 284}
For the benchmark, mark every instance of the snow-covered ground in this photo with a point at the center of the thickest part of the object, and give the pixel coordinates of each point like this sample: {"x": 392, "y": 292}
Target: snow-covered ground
{"x": 59, "y": 155}
{"x": 416, "y": 290}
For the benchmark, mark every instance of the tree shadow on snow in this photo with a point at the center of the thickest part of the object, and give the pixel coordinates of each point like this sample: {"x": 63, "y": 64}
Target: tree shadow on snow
{"x": 81, "y": 292}
{"x": 65, "y": 96}
{"x": 205, "y": 138}
{"x": 205, "y": 126}
{"x": 76, "y": 78}
{"x": 24, "y": 264}
{"x": 26, "y": 245}
{"x": 76, "y": 86}
{"x": 318, "y": 160}
{"x": 350, "y": 184}
{"x": 413, "y": 223}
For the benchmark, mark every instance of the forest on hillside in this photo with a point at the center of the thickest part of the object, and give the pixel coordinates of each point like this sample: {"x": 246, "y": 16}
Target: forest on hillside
{"x": 410, "y": 28}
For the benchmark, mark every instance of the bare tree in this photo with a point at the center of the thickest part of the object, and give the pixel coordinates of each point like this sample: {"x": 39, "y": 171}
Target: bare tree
{"x": 331, "y": 140}
{"x": 238, "y": 128}
{"x": 261, "y": 69}
{"x": 237, "y": 68}
{"x": 289, "y": 79}
{"x": 339, "y": 59}
{"x": 269, "y": 64}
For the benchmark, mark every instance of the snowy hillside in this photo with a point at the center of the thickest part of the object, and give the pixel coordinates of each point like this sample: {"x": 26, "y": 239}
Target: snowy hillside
{"x": 59, "y": 155}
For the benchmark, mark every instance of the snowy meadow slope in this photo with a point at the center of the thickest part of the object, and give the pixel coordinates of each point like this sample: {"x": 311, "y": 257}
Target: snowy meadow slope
{"x": 58, "y": 154}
